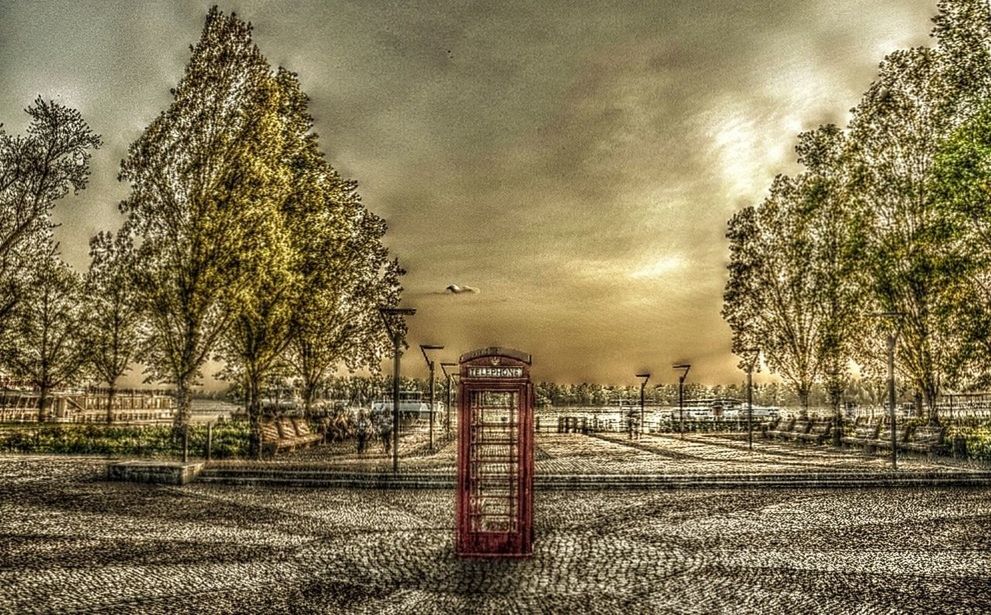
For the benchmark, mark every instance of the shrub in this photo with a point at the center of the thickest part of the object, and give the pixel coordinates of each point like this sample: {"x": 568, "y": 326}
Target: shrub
{"x": 229, "y": 440}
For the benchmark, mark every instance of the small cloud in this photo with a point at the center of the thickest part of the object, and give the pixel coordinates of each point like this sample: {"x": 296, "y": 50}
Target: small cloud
{"x": 659, "y": 268}
{"x": 457, "y": 289}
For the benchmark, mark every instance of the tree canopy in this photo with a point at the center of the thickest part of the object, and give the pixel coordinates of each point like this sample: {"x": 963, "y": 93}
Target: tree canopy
{"x": 251, "y": 246}
{"x": 880, "y": 222}
{"x": 37, "y": 169}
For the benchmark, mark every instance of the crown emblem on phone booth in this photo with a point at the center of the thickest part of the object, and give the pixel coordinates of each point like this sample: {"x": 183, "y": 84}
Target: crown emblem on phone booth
{"x": 495, "y": 360}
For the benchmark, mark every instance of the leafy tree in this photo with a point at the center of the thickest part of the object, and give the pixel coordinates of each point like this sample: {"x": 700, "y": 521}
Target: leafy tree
{"x": 36, "y": 170}
{"x": 204, "y": 194}
{"x": 911, "y": 258}
{"x": 962, "y": 189}
{"x": 46, "y": 349}
{"x": 346, "y": 277}
{"x": 792, "y": 289}
{"x": 112, "y": 317}
{"x": 878, "y": 187}
{"x": 260, "y": 328}
{"x": 917, "y": 256}
{"x": 835, "y": 258}
{"x": 771, "y": 301}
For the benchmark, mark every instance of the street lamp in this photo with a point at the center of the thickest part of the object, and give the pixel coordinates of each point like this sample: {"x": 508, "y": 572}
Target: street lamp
{"x": 681, "y": 396}
{"x": 643, "y": 383}
{"x": 892, "y": 340}
{"x": 750, "y": 393}
{"x": 397, "y": 339}
{"x": 430, "y": 364}
{"x": 447, "y": 412}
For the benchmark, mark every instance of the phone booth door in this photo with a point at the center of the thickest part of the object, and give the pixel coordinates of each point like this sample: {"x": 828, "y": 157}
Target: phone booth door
{"x": 495, "y": 455}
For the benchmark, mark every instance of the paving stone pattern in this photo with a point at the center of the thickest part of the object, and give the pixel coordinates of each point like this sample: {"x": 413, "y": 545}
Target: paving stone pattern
{"x": 615, "y": 453}
{"x": 71, "y": 542}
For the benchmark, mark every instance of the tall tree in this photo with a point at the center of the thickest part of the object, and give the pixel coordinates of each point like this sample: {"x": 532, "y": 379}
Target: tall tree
{"x": 36, "y": 171}
{"x": 47, "y": 349}
{"x": 347, "y": 278}
{"x": 914, "y": 269}
{"x": 261, "y": 326}
{"x": 791, "y": 290}
{"x": 204, "y": 194}
{"x": 112, "y": 316}
{"x": 771, "y": 300}
{"x": 962, "y": 191}
{"x": 835, "y": 256}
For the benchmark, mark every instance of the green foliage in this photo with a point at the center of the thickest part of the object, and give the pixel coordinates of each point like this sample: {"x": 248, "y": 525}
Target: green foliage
{"x": 912, "y": 253}
{"x": 252, "y": 247}
{"x": 206, "y": 183}
{"x": 878, "y": 222}
{"x": 47, "y": 348}
{"x": 977, "y": 437}
{"x": 230, "y": 440}
{"x": 962, "y": 188}
{"x": 111, "y": 310}
{"x": 36, "y": 171}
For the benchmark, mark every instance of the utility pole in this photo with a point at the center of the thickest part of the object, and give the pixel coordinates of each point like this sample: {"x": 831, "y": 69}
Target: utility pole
{"x": 750, "y": 394}
{"x": 645, "y": 377}
{"x": 447, "y": 412}
{"x": 892, "y": 340}
{"x": 430, "y": 365}
{"x": 397, "y": 340}
{"x": 681, "y": 397}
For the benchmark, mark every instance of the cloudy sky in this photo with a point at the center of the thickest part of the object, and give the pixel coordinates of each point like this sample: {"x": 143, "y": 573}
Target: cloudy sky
{"x": 574, "y": 161}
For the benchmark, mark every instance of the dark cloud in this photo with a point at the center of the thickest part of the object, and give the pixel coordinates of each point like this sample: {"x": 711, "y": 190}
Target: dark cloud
{"x": 578, "y": 161}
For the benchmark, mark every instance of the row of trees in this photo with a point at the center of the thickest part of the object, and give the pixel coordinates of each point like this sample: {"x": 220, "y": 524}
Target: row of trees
{"x": 865, "y": 392}
{"x": 885, "y": 229}
{"x": 240, "y": 242}
{"x": 43, "y": 327}
{"x": 361, "y": 390}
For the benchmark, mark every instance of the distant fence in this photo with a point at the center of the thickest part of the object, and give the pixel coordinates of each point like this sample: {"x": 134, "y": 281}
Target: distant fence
{"x": 585, "y": 424}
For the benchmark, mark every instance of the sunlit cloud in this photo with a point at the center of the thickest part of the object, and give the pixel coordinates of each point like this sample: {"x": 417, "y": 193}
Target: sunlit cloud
{"x": 577, "y": 167}
{"x": 659, "y": 268}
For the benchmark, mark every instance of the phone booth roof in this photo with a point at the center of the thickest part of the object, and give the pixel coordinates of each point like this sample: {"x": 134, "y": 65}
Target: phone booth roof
{"x": 495, "y": 363}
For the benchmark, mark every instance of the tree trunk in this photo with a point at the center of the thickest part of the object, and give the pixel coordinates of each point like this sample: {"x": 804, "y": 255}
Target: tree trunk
{"x": 932, "y": 412}
{"x": 837, "y": 425}
{"x": 803, "y": 399}
{"x": 182, "y": 412}
{"x": 836, "y": 400}
{"x": 252, "y": 406}
{"x": 43, "y": 404}
{"x": 110, "y": 404}
{"x": 309, "y": 393}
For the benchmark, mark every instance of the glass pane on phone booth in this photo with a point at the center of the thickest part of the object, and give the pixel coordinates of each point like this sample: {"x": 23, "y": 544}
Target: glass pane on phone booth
{"x": 494, "y": 461}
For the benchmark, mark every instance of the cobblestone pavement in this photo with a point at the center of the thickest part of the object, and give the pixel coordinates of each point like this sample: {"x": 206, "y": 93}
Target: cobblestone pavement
{"x": 70, "y": 542}
{"x": 615, "y": 453}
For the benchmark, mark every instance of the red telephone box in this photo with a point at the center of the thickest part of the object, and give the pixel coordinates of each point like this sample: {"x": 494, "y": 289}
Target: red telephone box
{"x": 495, "y": 454}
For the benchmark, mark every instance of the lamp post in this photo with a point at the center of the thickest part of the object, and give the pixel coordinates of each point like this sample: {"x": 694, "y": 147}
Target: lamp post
{"x": 397, "y": 339}
{"x": 430, "y": 364}
{"x": 447, "y": 412}
{"x": 750, "y": 394}
{"x": 645, "y": 377}
{"x": 892, "y": 340}
{"x": 681, "y": 396}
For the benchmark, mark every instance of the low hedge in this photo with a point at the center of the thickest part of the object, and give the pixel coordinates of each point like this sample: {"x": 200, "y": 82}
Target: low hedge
{"x": 230, "y": 440}
{"x": 978, "y": 439}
